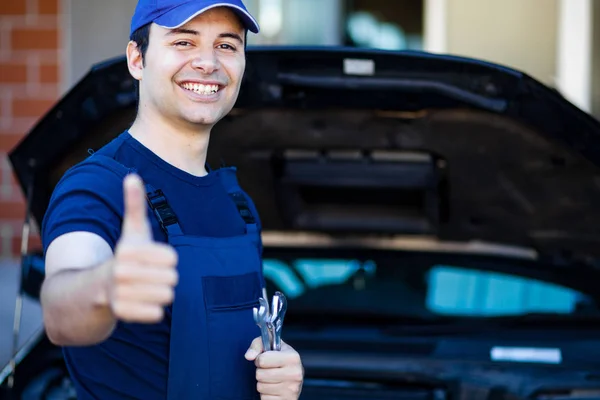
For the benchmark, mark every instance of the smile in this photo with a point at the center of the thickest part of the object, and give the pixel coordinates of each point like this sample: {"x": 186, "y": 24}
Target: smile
{"x": 200, "y": 88}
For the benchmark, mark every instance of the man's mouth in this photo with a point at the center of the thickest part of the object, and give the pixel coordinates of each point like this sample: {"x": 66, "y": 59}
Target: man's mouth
{"x": 200, "y": 88}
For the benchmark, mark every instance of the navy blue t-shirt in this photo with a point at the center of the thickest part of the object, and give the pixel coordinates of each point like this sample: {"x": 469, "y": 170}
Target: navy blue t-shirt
{"x": 133, "y": 362}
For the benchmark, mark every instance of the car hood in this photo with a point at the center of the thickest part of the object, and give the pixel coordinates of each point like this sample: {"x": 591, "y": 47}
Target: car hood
{"x": 345, "y": 141}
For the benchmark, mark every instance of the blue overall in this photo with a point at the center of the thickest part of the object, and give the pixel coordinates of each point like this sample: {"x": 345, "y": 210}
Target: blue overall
{"x": 212, "y": 324}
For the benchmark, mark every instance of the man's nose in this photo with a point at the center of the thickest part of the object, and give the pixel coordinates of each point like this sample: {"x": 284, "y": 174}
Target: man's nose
{"x": 206, "y": 61}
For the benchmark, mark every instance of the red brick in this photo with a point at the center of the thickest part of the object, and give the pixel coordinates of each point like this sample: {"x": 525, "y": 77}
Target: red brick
{"x": 31, "y": 107}
{"x": 13, "y": 7}
{"x": 12, "y": 210}
{"x": 9, "y": 141}
{"x": 34, "y": 39}
{"x": 11, "y": 72}
{"x": 34, "y": 244}
{"x": 18, "y": 127}
{"x": 49, "y": 74}
{"x": 45, "y": 91}
{"x": 48, "y": 6}
{"x": 14, "y": 180}
{"x": 16, "y": 192}
{"x": 50, "y": 56}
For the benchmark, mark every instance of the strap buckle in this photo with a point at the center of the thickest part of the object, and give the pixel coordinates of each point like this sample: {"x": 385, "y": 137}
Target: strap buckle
{"x": 242, "y": 204}
{"x": 164, "y": 213}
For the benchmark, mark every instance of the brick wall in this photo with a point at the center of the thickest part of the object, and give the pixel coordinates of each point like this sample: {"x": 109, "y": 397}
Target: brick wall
{"x": 29, "y": 86}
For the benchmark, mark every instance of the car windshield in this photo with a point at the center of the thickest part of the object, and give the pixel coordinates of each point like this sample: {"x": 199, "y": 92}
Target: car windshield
{"x": 424, "y": 286}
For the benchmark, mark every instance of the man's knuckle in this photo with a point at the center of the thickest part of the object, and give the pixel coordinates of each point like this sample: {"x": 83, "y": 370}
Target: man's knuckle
{"x": 166, "y": 253}
{"x": 259, "y": 361}
{"x": 172, "y": 255}
{"x": 156, "y": 313}
{"x": 127, "y": 252}
{"x": 298, "y": 375}
{"x": 120, "y": 310}
{"x": 293, "y": 357}
{"x": 150, "y": 314}
{"x": 119, "y": 293}
{"x": 168, "y": 295}
{"x": 172, "y": 277}
{"x": 294, "y": 388}
{"x": 120, "y": 272}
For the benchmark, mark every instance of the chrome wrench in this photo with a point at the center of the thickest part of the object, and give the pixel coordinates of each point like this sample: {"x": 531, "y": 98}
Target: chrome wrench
{"x": 261, "y": 317}
{"x": 275, "y": 324}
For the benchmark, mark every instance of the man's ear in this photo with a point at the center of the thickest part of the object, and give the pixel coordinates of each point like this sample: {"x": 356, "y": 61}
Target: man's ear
{"x": 135, "y": 61}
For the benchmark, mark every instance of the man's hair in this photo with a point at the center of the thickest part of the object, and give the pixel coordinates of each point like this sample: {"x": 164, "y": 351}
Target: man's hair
{"x": 142, "y": 38}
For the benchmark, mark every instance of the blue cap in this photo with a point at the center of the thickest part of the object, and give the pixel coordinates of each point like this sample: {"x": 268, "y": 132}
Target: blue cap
{"x": 172, "y": 14}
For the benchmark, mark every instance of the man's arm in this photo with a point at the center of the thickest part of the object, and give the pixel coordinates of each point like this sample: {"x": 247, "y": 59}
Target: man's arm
{"x": 87, "y": 288}
{"x": 74, "y": 295}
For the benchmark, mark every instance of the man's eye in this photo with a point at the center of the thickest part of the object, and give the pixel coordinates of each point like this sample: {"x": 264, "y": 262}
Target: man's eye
{"x": 182, "y": 43}
{"x": 226, "y": 47}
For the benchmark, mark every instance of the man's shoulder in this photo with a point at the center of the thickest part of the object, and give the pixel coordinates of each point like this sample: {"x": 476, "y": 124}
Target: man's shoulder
{"x": 94, "y": 173}
{"x": 100, "y": 170}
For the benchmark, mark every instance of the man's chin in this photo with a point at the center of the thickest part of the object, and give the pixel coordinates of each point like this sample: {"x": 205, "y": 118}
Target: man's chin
{"x": 201, "y": 120}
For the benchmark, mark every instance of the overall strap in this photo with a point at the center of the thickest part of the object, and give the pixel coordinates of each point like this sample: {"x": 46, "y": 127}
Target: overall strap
{"x": 156, "y": 199}
{"x": 162, "y": 210}
{"x": 229, "y": 180}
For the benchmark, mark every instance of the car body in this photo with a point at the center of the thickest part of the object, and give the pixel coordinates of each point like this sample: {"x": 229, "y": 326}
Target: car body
{"x": 430, "y": 218}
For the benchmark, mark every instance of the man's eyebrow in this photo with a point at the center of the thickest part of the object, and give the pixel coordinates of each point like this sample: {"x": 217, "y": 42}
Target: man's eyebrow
{"x": 232, "y": 36}
{"x": 179, "y": 31}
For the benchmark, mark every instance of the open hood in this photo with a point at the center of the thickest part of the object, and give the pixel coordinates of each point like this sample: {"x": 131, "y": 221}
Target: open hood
{"x": 371, "y": 142}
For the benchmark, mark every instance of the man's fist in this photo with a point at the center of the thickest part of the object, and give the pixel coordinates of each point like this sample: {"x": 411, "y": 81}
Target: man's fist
{"x": 279, "y": 374}
{"x": 143, "y": 274}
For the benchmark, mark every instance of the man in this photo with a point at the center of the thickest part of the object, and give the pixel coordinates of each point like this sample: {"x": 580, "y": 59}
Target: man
{"x": 153, "y": 261}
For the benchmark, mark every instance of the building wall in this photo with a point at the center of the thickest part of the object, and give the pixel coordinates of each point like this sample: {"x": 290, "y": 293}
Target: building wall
{"x": 89, "y": 38}
{"x": 516, "y": 33}
{"x": 30, "y": 51}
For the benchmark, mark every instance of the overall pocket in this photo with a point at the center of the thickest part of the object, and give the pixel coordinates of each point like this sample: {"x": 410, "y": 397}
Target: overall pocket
{"x": 229, "y": 301}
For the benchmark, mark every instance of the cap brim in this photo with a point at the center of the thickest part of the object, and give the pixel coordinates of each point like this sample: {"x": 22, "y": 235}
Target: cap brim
{"x": 186, "y": 12}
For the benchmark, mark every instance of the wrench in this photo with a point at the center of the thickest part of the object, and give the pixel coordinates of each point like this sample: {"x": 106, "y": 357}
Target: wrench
{"x": 275, "y": 324}
{"x": 261, "y": 316}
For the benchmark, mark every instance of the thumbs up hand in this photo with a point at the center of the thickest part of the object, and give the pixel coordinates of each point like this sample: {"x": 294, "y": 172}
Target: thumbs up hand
{"x": 143, "y": 271}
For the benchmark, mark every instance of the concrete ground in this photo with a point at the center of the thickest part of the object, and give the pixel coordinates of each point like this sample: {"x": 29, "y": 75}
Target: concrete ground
{"x": 31, "y": 317}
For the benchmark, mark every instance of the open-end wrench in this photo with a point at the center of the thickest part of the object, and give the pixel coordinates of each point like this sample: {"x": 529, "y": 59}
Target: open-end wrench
{"x": 261, "y": 316}
{"x": 279, "y": 308}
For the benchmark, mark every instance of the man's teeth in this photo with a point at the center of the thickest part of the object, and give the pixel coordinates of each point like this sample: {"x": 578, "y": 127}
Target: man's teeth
{"x": 200, "y": 88}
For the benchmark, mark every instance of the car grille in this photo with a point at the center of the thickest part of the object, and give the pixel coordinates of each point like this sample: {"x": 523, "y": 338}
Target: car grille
{"x": 324, "y": 389}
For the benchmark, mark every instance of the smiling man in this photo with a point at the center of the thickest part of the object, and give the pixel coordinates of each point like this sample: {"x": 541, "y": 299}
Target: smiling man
{"x": 153, "y": 260}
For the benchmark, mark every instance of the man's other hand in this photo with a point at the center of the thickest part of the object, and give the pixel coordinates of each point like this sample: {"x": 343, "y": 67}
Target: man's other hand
{"x": 279, "y": 374}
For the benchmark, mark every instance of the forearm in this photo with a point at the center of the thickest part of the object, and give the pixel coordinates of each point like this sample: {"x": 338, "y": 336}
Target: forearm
{"x": 75, "y": 306}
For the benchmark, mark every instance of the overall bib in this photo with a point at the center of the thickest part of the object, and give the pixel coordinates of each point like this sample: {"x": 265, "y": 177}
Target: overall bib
{"x": 212, "y": 323}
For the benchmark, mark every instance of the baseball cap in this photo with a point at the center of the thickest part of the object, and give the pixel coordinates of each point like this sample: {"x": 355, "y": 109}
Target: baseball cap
{"x": 172, "y": 14}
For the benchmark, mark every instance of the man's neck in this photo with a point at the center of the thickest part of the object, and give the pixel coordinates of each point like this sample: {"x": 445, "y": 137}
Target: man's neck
{"x": 183, "y": 147}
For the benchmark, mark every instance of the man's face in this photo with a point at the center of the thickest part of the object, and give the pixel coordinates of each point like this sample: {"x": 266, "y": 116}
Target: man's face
{"x": 192, "y": 74}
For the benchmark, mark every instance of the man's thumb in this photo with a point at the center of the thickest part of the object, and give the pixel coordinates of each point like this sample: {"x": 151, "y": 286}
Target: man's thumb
{"x": 135, "y": 220}
{"x": 255, "y": 349}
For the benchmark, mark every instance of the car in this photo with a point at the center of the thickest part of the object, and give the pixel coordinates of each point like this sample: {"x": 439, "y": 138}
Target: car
{"x": 431, "y": 219}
